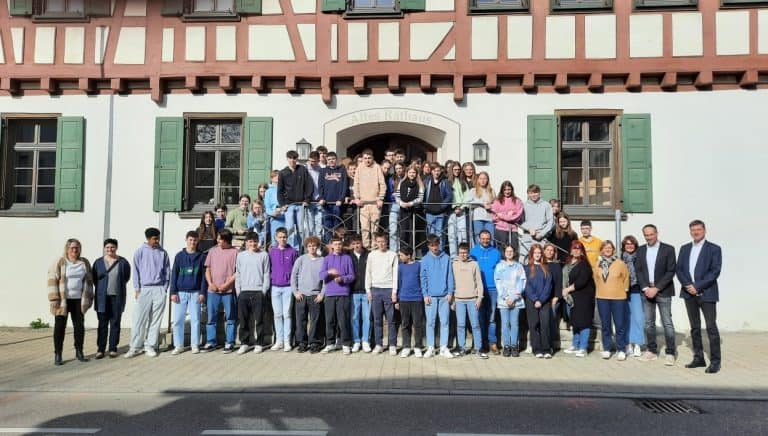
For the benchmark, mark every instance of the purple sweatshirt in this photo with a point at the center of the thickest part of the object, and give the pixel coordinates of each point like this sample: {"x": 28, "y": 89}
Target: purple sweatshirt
{"x": 343, "y": 264}
{"x": 282, "y": 261}
{"x": 151, "y": 267}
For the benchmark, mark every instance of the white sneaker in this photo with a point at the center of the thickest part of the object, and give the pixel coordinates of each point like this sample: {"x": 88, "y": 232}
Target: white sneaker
{"x": 529, "y": 350}
{"x": 605, "y": 355}
{"x": 445, "y": 352}
{"x": 637, "y": 351}
{"x": 417, "y": 353}
{"x": 287, "y": 348}
{"x": 228, "y": 348}
{"x": 132, "y": 353}
{"x": 392, "y": 350}
{"x": 366, "y": 347}
{"x": 669, "y": 360}
{"x": 430, "y": 352}
{"x": 195, "y": 350}
{"x": 547, "y": 356}
{"x": 621, "y": 356}
{"x": 405, "y": 353}
{"x": 150, "y": 352}
{"x": 539, "y": 355}
{"x": 581, "y": 353}
{"x": 243, "y": 349}
{"x": 176, "y": 351}
{"x": 329, "y": 348}
{"x": 570, "y": 350}
{"x": 258, "y": 349}
{"x": 356, "y": 347}
{"x": 276, "y": 346}
{"x": 346, "y": 350}
{"x": 377, "y": 349}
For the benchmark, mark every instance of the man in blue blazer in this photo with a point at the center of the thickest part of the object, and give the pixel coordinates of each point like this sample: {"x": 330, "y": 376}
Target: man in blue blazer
{"x": 698, "y": 268}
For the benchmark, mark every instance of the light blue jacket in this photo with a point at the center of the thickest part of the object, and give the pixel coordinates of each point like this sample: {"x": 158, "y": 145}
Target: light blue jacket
{"x": 510, "y": 283}
{"x": 436, "y": 275}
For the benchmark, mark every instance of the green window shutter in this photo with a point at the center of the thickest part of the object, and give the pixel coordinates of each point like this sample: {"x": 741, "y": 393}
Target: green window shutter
{"x": 249, "y": 7}
{"x": 21, "y": 8}
{"x": 257, "y": 152}
{"x": 70, "y": 141}
{"x": 413, "y": 5}
{"x": 3, "y": 164}
{"x": 636, "y": 157}
{"x": 169, "y": 163}
{"x": 173, "y": 7}
{"x": 98, "y": 8}
{"x": 542, "y": 154}
{"x": 334, "y": 5}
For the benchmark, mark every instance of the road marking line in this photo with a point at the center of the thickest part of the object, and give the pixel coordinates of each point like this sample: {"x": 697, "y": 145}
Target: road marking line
{"x": 49, "y": 430}
{"x": 266, "y": 432}
{"x": 490, "y": 434}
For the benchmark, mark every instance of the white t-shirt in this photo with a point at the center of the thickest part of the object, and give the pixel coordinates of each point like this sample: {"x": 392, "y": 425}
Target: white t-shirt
{"x": 75, "y": 279}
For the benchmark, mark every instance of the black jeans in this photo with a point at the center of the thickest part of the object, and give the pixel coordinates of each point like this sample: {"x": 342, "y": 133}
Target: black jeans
{"x": 337, "y": 315}
{"x": 250, "y": 311}
{"x": 307, "y": 314}
{"x": 413, "y": 322}
{"x": 382, "y": 305}
{"x": 60, "y": 326}
{"x": 538, "y": 322}
{"x": 693, "y": 305}
{"x": 109, "y": 325}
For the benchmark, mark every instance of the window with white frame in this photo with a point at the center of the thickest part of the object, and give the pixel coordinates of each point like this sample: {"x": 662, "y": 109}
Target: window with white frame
{"x": 588, "y": 162}
{"x": 213, "y": 6}
{"x": 213, "y": 156}
{"x": 30, "y": 163}
{"x": 515, "y": 5}
{"x": 374, "y": 6}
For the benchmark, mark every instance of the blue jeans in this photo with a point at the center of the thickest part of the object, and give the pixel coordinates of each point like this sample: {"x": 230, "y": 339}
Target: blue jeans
{"x": 294, "y": 222}
{"x": 361, "y": 313}
{"x": 281, "y": 307}
{"x": 488, "y": 318}
{"x": 464, "y": 308}
{"x": 613, "y": 312}
{"x": 331, "y": 220}
{"x": 665, "y": 310}
{"x": 274, "y": 224}
{"x": 510, "y": 326}
{"x": 457, "y": 232}
{"x": 636, "y": 319}
{"x": 435, "y": 224}
{"x": 188, "y": 303}
{"x": 314, "y": 220}
{"x": 394, "y": 217}
{"x": 581, "y": 339}
{"x": 439, "y": 307}
{"x": 228, "y": 301}
{"x": 478, "y": 226}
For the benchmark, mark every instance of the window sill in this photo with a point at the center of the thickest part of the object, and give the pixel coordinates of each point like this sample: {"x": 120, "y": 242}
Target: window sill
{"x": 60, "y": 18}
{"x": 192, "y": 214}
{"x": 210, "y": 16}
{"x": 29, "y": 213}
{"x": 495, "y": 9}
{"x": 594, "y": 214}
{"x": 372, "y": 13}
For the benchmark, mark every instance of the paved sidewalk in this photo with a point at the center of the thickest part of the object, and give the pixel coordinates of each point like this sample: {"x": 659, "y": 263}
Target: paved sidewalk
{"x": 26, "y": 359}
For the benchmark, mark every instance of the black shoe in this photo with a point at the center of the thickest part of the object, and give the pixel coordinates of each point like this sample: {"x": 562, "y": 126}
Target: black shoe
{"x": 314, "y": 349}
{"x": 302, "y": 348}
{"x": 713, "y": 368}
{"x": 507, "y": 351}
{"x": 696, "y": 363}
{"x": 513, "y": 352}
{"x": 80, "y": 356}
{"x": 57, "y": 359}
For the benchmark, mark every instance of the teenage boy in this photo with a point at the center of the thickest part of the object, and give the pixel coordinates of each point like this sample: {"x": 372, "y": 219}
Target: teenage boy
{"x": 252, "y": 279}
{"x": 468, "y": 299}
{"x": 369, "y": 189}
{"x": 220, "y": 274}
{"x": 282, "y": 257}
{"x": 322, "y": 152}
{"x": 314, "y": 210}
{"x": 361, "y": 307}
{"x": 487, "y": 258}
{"x": 150, "y": 280}
{"x": 437, "y": 285}
{"x": 237, "y": 220}
{"x": 591, "y": 243}
{"x": 221, "y": 216}
{"x": 438, "y": 196}
{"x": 410, "y": 300}
{"x": 380, "y": 284}
{"x": 333, "y": 186}
{"x": 188, "y": 289}
{"x": 337, "y": 273}
{"x": 307, "y": 291}
{"x": 294, "y": 192}
{"x": 538, "y": 220}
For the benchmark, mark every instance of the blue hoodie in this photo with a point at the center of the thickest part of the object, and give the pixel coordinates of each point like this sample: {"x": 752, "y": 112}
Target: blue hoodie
{"x": 436, "y": 275}
{"x": 188, "y": 272}
{"x": 487, "y": 258}
{"x": 333, "y": 184}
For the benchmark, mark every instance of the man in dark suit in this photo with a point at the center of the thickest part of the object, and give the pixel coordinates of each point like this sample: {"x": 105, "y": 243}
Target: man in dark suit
{"x": 697, "y": 270}
{"x": 655, "y": 267}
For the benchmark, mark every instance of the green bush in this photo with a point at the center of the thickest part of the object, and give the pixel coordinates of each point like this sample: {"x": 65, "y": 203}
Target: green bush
{"x": 39, "y": 324}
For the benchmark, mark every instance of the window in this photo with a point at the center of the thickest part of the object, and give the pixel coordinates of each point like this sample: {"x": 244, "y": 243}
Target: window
{"x": 587, "y": 175}
{"x": 571, "y": 5}
{"x": 211, "y": 10}
{"x": 227, "y": 6}
{"x": 356, "y": 8}
{"x": 492, "y": 5}
{"x": 743, "y": 2}
{"x": 373, "y": 7}
{"x": 61, "y": 10}
{"x": 653, "y": 4}
{"x": 31, "y": 163}
{"x": 213, "y": 172}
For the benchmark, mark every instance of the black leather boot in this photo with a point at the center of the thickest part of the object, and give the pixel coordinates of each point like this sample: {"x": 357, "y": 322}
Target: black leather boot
{"x": 80, "y": 356}
{"x": 57, "y": 359}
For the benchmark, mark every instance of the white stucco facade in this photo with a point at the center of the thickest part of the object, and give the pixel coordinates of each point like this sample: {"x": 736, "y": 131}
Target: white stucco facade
{"x": 708, "y": 150}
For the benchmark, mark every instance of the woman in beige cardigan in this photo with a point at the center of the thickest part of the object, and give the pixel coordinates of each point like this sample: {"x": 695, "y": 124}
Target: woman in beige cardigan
{"x": 611, "y": 277}
{"x": 70, "y": 292}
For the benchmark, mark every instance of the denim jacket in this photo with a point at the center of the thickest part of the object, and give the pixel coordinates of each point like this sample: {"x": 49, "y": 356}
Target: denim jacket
{"x": 510, "y": 283}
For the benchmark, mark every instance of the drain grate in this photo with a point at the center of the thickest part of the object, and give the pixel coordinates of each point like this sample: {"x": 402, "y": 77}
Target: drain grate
{"x": 667, "y": 406}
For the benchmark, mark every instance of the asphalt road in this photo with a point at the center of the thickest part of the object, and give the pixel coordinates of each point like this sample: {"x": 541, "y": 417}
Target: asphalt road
{"x": 338, "y": 414}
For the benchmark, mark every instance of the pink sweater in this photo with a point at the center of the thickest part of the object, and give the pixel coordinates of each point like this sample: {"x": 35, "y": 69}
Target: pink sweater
{"x": 506, "y": 214}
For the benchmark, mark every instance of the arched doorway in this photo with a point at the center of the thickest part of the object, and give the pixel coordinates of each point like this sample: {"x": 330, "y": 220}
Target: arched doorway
{"x": 413, "y": 147}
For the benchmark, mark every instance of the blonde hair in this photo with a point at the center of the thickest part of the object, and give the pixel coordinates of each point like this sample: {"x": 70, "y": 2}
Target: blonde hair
{"x": 478, "y": 189}
{"x": 70, "y": 241}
